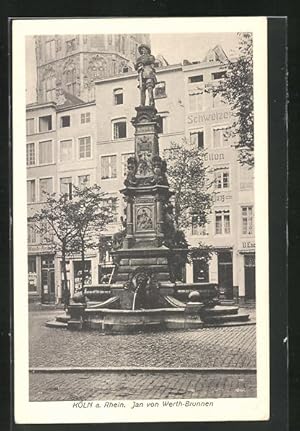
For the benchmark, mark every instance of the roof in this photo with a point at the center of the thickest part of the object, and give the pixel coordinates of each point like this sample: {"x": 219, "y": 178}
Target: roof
{"x": 66, "y": 100}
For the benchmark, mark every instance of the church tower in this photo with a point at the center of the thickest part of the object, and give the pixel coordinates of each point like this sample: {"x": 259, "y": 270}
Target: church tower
{"x": 72, "y": 63}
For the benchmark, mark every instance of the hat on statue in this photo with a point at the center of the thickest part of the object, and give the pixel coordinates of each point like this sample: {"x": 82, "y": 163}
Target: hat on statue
{"x": 143, "y": 46}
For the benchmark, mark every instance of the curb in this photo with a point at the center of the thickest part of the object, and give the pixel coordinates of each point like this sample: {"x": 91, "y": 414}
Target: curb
{"x": 225, "y": 370}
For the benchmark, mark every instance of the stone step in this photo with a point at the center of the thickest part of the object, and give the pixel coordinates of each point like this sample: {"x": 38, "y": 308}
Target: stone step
{"x": 226, "y": 318}
{"x": 56, "y": 324}
{"x": 219, "y": 310}
{"x": 63, "y": 319}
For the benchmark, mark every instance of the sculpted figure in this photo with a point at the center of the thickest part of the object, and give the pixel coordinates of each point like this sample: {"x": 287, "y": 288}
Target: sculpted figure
{"x": 131, "y": 171}
{"x": 147, "y": 77}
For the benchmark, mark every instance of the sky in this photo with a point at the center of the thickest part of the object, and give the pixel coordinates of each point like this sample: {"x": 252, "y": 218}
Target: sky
{"x": 174, "y": 47}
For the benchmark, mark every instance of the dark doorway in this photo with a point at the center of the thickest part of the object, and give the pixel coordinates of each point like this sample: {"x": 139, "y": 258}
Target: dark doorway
{"x": 48, "y": 280}
{"x": 249, "y": 277}
{"x": 225, "y": 274}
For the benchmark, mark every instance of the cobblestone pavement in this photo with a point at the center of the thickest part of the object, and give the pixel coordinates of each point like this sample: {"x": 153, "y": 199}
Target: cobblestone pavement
{"x": 112, "y": 386}
{"x": 233, "y": 346}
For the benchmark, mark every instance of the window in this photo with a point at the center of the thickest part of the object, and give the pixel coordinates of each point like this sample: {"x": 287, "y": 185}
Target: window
{"x": 160, "y": 90}
{"x": 58, "y": 44}
{"x": 196, "y": 101}
{"x": 45, "y": 152}
{"x": 197, "y": 78}
{"x": 65, "y": 186}
{"x": 196, "y": 228}
{"x": 218, "y": 75}
{"x": 85, "y": 117}
{"x": 222, "y": 178}
{"x": 108, "y": 167}
{"x": 119, "y": 129}
{"x": 118, "y": 96}
{"x": 124, "y": 159}
{"x": 50, "y": 88}
{"x": 30, "y": 154}
{"x": 247, "y": 220}
{"x": 30, "y": 190}
{"x": 246, "y": 178}
{"x": 46, "y": 186}
{"x": 84, "y": 181}
{"x": 50, "y": 49}
{"x": 66, "y": 150}
{"x": 109, "y": 39}
{"x": 46, "y": 233}
{"x": 197, "y": 138}
{"x": 217, "y": 100}
{"x": 162, "y": 123}
{"x": 45, "y": 123}
{"x": 31, "y": 234}
{"x": 30, "y": 126}
{"x": 85, "y": 147}
{"x": 111, "y": 203}
{"x": 222, "y": 222}
{"x": 71, "y": 45}
{"x": 221, "y": 137}
{"x": 65, "y": 121}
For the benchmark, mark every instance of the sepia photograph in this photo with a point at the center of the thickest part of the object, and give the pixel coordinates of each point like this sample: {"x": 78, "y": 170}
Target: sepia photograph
{"x": 143, "y": 250}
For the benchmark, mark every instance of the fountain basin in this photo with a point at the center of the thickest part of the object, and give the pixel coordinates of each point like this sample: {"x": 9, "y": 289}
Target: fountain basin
{"x": 129, "y": 321}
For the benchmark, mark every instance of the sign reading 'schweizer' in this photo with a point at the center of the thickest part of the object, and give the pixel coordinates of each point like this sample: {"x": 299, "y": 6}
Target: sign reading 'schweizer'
{"x": 203, "y": 118}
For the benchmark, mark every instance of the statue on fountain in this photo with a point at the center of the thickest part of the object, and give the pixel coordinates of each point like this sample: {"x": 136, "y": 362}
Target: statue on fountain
{"x": 146, "y": 74}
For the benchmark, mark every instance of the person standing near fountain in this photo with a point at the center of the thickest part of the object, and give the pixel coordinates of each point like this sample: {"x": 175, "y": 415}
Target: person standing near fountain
{"x": 147, "y": 77}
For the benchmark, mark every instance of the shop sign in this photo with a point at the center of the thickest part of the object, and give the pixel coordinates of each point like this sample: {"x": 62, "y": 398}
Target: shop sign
{"x": 248, "y": 245}
{"x": 204, "y": 118}
{"x": 214, "y": 157}
{"x": 222, "y": 198}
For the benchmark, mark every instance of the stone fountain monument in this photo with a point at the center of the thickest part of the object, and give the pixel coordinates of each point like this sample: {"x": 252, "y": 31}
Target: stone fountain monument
{"x": 143, "y": 294}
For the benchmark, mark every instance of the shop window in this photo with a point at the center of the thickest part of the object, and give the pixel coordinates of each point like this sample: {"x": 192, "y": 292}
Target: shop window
{"x": 218, "y": 75}
{"x": 30, "y": 154}
{"x": 247, "y": 220}
{"x": 31, "y": 191}
{"x": 85, "y": 147}
{"x": 118, "y": 96}
{"x": 160, "y": 90}
{"x": 45, "y": 123}
{"x": 124, "y": 159}
{"x": 78, "y": 274}
{"x": 30, "y": 126}
{"x": 222, "y": 178}
{"x": 108, "y": 167}
{"x": 46, "y": 187}
{"x": 221, "y": 137}
{"x": 66, "y": 150}
{"x": 84, "y": 181}
{"x": 65, "y": 121}
{"x": 32, "y": 274}
{"x": 85, "y": 117}
{"x": 222, "y": 222}
{"x": 197, "y": 78}
{"x": 119, "y": 129}
{"x": 197, "y": 139}
{"x": 200, "y": 271}
{"x": 45, "y": 152}
{"x": 65, "y": 185}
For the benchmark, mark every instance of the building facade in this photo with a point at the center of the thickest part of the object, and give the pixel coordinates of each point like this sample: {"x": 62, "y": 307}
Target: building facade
{"x": 92, "y": 142}
{"x": 73, "y": 62}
